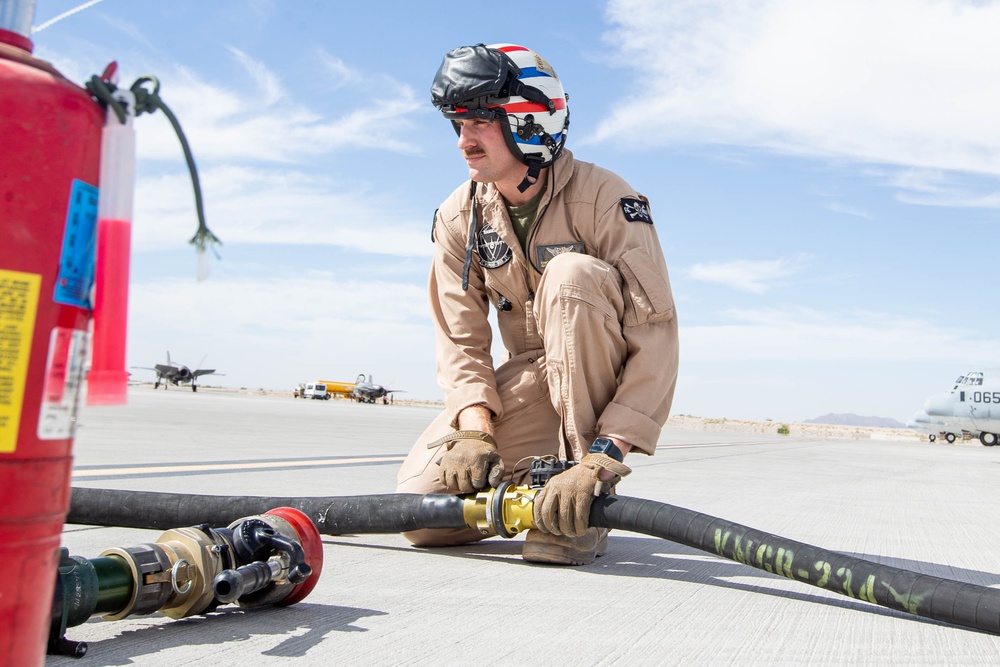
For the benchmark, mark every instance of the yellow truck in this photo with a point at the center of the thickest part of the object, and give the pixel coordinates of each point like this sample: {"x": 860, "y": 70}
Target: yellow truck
{"x": 339, "y": 389}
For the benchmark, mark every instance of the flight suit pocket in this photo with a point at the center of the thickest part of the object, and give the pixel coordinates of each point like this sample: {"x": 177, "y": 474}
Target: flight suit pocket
{"x": 648, "y": 289}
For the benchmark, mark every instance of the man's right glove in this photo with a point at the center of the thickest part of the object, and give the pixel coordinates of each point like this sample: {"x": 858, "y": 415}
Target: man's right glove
{"x": 471, "y": 460}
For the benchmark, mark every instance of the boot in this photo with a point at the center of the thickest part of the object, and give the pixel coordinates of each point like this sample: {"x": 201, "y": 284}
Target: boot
{"x": 542, "y": 547}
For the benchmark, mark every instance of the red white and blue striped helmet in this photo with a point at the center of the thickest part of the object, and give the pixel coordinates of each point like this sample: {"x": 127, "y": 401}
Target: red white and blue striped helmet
{"x": 511, "y": 82}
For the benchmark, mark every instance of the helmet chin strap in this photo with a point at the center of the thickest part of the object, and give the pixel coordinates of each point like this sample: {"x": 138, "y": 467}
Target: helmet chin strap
{"x": 531, "y": 176}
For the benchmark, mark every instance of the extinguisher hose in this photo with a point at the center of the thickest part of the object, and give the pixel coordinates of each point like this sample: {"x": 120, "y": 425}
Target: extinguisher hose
{"x": 955, "y": 602}
{"x": 147, "y": 101}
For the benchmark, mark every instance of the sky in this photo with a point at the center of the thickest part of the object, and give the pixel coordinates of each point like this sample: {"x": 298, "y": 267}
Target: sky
{"x": 824, "y": 179}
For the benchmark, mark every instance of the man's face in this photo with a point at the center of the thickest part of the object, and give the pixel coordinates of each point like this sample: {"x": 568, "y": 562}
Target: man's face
{"x": 485, "y": 151}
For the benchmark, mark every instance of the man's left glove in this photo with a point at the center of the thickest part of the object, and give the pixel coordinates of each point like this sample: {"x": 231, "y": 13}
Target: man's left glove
{"x": 562, "y": 507}
{"x": 471, "y": 461}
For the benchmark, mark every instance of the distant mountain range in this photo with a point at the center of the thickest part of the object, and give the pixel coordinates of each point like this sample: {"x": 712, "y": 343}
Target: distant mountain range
{"x": 855, "y": 420}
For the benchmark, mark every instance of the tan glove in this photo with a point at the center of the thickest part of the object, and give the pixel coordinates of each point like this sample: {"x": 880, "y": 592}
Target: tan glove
{"x": 471, "y": 460}
{"x": 562, "y": 507}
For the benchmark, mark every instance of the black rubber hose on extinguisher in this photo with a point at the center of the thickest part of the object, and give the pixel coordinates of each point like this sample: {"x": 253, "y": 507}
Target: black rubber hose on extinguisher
{"x": 958, "y": 603}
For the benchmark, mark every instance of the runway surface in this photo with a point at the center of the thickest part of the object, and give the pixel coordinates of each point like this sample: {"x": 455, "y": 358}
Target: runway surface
{"x": 930, "y": 508}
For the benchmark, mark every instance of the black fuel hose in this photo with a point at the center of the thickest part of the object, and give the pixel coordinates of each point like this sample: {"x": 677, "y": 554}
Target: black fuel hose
{"x": 958, "y": 603}
{"x": 955, "y": 602}
{"x": 333, "y": 515}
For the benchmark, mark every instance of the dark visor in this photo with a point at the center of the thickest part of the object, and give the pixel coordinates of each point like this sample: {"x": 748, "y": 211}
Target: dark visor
{"x": 471, "y": 78}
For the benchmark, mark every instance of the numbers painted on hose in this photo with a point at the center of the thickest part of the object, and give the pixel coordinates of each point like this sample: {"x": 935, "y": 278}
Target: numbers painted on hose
{"x": 986, "y": 397}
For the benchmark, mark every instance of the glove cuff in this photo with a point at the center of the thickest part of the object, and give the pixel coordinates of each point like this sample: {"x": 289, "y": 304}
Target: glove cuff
{"x": 453, "y": 437}
{"x": 608, "y": 463}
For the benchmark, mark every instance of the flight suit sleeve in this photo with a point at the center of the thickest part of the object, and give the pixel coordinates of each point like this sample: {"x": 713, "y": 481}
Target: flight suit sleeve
{"x": 628, "y": 241}
{"x": 462, "y": 330}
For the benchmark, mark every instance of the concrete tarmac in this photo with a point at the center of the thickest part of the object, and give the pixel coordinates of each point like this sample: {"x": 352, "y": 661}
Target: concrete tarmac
{"x": 930, "y": 508}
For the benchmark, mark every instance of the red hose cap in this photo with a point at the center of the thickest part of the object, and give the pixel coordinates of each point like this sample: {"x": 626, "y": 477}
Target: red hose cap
{"x": 312, "y": 545}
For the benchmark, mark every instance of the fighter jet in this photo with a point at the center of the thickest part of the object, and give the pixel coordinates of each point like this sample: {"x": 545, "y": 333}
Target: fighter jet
{"x": 177, "y": 374}
{"x": 972, "y": 406}
{"x": 366, "y": 391}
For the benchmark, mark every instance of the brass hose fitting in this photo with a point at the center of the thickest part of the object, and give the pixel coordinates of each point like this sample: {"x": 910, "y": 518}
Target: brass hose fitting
{"x": 505, "y": 510}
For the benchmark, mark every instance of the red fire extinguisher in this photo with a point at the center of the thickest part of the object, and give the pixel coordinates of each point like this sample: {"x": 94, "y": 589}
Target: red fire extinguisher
{"x": 49, "y": 169}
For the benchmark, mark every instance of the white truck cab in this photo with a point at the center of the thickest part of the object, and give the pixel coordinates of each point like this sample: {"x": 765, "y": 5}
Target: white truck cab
{"x": 315, "y": 390}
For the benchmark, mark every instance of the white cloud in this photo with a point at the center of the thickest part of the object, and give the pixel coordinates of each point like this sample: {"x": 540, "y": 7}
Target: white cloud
{"x": 933, "y": 187}
{"x": 268, "y": 125}
{"x": 810, "y": 335}
{"x": 837, "y": 207}
{"x": 275, "y": 206}
{"x": 755, "y": 276}
{"x": 261, "y": 122}
{"x": 895, "y": 82}
{"x": 341, "y": 72}
{"x": 268, "y": 85}
{"x": 795, "y": 364}
{"x": 274, "y": 329}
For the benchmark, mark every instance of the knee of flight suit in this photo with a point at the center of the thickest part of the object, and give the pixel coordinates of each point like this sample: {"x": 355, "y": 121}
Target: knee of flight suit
{"x": 574, "y": 267}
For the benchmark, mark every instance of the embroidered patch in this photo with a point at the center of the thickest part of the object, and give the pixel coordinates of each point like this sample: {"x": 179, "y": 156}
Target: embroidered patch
{"x": 493, "y": 252}
{"x": 545, "y": 253}
{"x": 636, "y": 210}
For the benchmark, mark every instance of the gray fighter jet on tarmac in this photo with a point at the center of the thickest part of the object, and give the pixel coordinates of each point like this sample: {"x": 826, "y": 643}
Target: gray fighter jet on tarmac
{"x": 177, "y": 374}
{"x": 366, "y": 391}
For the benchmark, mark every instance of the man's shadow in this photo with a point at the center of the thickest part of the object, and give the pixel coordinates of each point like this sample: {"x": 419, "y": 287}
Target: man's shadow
{"x": 627, "y": 556}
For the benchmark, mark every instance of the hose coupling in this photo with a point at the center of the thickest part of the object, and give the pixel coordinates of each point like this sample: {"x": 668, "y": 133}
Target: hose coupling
{"x": 505, "y": 510}
{"x": 270, "y": 559}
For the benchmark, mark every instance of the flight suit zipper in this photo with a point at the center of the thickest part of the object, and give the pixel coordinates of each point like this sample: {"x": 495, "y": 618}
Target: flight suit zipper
{"x": 531, "y": 233}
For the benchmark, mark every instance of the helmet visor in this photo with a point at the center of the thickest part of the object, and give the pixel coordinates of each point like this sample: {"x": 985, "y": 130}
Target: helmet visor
{"x": 472, "y": 78}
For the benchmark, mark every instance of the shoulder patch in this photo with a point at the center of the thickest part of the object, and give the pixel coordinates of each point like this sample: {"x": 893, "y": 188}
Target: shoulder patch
{"x": 434, "y": 221}
{"x": 636, "y": 210}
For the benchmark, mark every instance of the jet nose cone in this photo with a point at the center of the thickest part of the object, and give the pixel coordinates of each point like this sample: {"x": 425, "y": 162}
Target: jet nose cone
{"x": 940, "y": 405}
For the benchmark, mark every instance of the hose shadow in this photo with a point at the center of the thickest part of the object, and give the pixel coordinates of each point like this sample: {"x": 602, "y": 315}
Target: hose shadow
{"x": 651, "y": 557}
{"x": 662, "y": 559}
{"x": 961, "y": 574}
{"x": 302, "y": 626}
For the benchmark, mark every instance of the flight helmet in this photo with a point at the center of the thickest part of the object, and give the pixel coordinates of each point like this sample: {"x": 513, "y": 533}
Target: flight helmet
{"x": 512, "y": 84}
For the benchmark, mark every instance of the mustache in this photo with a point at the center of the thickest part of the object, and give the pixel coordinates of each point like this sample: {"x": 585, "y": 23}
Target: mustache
{"x": 473, "y": 153}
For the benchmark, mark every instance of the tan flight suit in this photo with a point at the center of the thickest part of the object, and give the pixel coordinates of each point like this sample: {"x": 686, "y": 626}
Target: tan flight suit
{"x": 587, "y": 319}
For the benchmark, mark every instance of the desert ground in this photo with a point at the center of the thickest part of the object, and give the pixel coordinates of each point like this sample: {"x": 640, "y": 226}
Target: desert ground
{"x": 720, "y": 424}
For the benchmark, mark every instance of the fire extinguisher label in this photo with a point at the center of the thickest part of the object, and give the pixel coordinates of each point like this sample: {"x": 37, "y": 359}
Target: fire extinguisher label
{"x": 76, "y": 263}
{"x": 63, "y": 376}
{"x": 18, "y": 307}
